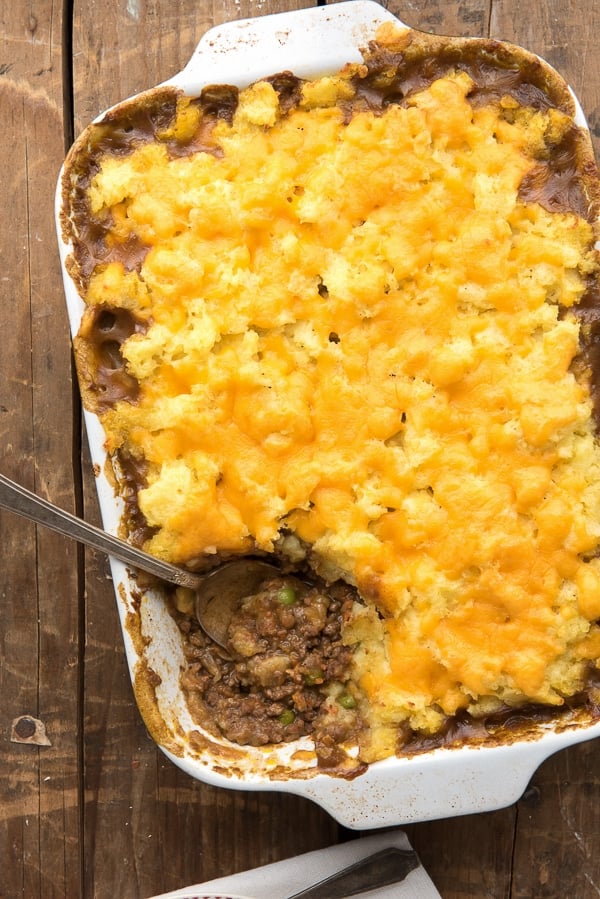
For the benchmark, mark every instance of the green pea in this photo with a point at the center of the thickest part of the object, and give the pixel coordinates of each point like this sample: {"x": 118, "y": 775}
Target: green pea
{"x": 286, "y": 595}
{"x": 313, "y": 677}
{"x": 347, "y": 701}
{"x": 287, "y": 717}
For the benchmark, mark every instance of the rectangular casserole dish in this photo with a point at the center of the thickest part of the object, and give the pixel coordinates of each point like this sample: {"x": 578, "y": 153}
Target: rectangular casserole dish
{"x": 438, "y": 783}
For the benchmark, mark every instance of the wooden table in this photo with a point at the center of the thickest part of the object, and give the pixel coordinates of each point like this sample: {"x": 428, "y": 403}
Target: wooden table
{"x": 98, "y": 811}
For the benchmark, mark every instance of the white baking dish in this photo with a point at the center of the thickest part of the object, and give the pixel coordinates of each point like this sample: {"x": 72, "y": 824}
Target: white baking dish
{"x": 436, "y": 784}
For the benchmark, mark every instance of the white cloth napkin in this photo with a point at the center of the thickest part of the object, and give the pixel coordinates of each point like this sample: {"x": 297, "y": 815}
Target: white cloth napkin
{"x": 283, "y": 878}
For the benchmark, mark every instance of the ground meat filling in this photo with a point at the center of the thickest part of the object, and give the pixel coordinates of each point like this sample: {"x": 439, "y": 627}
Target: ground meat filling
{"x": 288, "y": 670}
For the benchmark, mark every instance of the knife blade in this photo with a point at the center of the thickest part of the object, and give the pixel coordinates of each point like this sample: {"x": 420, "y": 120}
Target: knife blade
{"x": 388, "y": 866}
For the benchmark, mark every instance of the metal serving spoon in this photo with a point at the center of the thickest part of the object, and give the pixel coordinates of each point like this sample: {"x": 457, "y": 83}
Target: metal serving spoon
{"x": 218, "y": 592}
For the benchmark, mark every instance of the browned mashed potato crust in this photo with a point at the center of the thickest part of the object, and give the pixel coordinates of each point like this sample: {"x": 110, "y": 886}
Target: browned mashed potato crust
{"x": 353, "y": 322}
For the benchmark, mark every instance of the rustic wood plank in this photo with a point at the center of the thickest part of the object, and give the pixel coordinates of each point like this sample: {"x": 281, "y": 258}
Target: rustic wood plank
{"x": 39, "y": 818}
{"x": 558, "y": 828}
{"x": 171, "y": 829}
{"x": 467, "y": 18}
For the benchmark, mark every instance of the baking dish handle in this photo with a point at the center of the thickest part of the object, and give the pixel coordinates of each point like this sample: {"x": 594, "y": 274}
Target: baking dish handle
{"x": 243, "y": 51}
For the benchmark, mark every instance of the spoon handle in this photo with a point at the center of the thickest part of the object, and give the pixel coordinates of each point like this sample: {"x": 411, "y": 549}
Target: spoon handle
{"x": 21, "y": 501}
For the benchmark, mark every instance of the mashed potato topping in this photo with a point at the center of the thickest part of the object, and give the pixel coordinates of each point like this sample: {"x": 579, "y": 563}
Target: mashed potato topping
{"x": 356, "y": 337}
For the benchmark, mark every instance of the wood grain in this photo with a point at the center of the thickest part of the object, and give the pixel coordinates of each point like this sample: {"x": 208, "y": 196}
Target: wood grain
{"x": 100, "y": 812}
{"x": 40, "y": 661}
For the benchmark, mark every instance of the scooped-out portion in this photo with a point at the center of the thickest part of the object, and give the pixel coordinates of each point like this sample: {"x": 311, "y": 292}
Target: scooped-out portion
{"x": 285, "y": 673}
{"x": 351, "y": 323}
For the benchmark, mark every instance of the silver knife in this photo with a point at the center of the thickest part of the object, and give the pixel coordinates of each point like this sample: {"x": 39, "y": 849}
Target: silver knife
{"x": 381, "y": 869}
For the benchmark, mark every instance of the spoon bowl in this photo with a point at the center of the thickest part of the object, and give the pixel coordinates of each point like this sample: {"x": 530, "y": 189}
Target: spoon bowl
{"x": 221, "y": 590}
{"x": 218, "y": 592}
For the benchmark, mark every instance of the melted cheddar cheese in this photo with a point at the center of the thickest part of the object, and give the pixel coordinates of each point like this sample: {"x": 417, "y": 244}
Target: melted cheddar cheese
{"x": 359, "y": 343}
